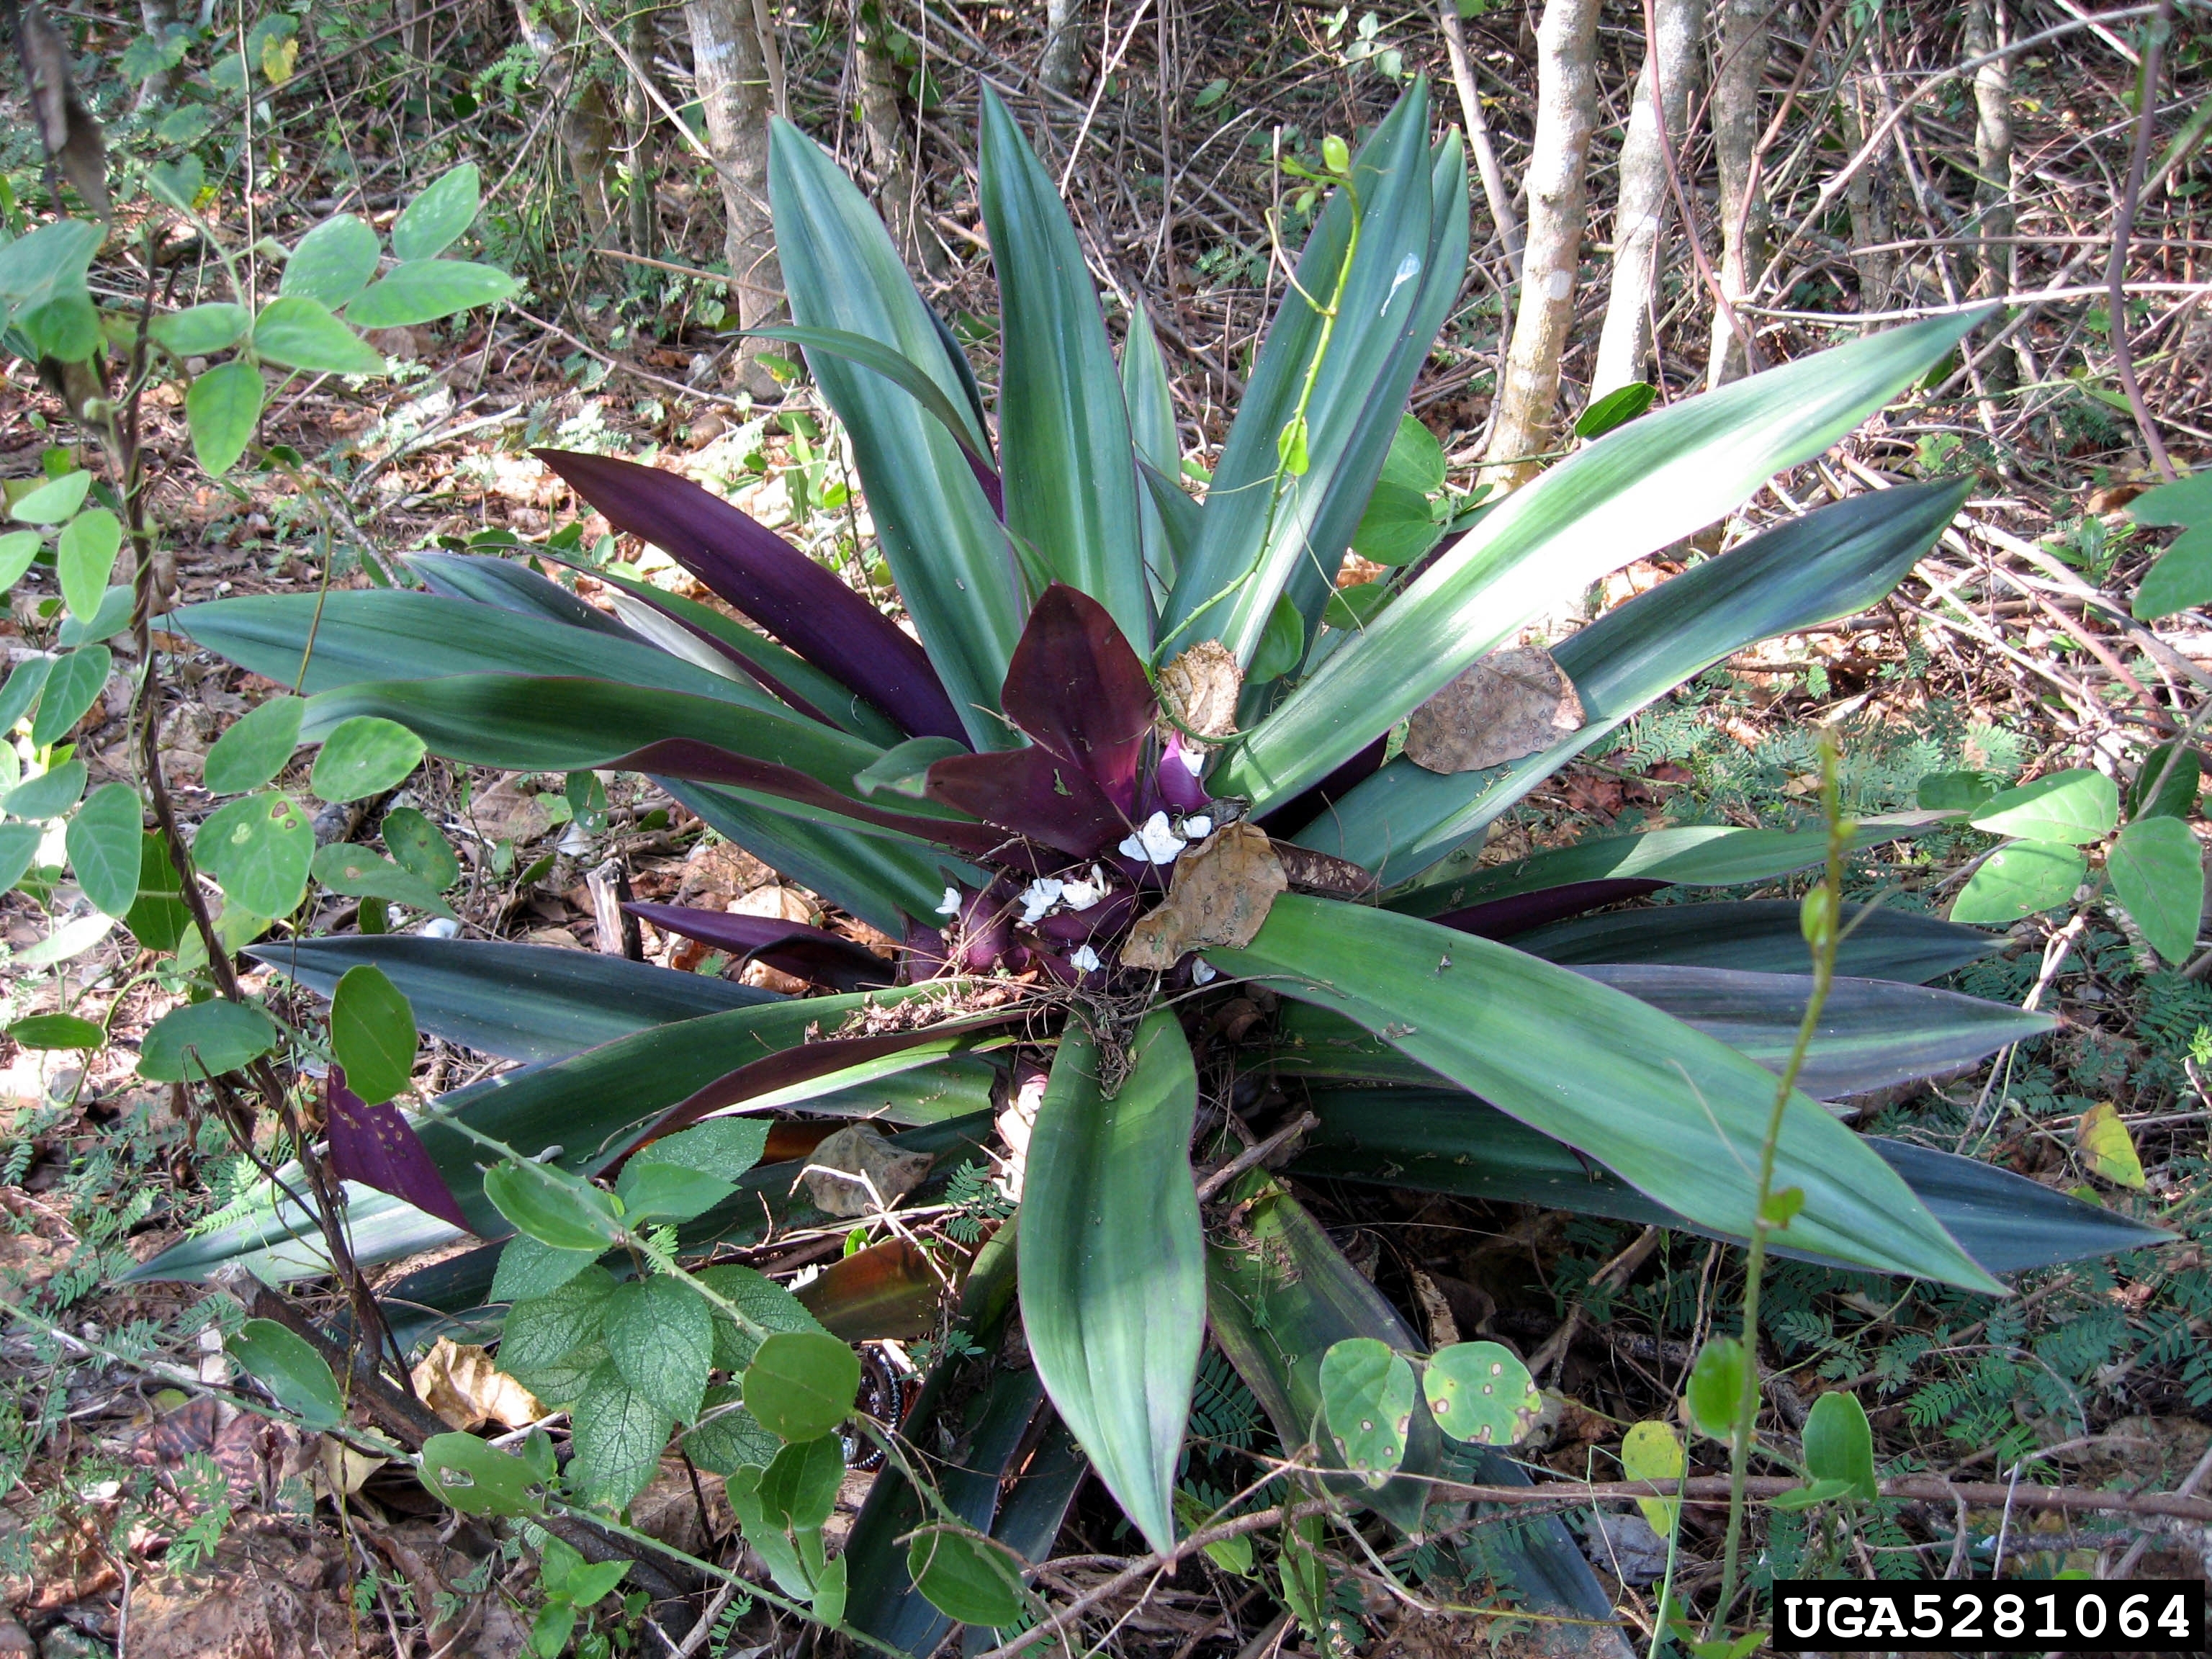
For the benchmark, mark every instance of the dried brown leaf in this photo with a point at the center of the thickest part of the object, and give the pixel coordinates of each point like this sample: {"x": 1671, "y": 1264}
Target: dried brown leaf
{"x": 73, "y": 139}
{"x": 1199, "y": 688}
{"x": 857, "y": 1172}
{"x": 1223, "y": 890}
{"x": 467, "y": 1387}
{"x": 1513, "y": 702}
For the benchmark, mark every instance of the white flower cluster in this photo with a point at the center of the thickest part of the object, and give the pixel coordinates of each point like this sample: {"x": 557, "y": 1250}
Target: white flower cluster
{"x": 1046, "y": 892}
{"x": 1158, "y": 842}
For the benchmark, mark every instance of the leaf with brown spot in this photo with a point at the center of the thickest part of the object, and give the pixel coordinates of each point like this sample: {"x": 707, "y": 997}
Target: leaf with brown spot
{"x": 1324, "y": 873}
{"x": 1513, "y": 702}
{"x": 1222, "y": 891}
{"x": 73, "y": 139}
{"x": 1199, "y": 688}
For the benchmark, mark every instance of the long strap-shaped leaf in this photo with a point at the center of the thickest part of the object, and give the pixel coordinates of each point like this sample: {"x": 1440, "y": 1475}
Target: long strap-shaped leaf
{"x": 955, "y": 415}
{"x": 1675, "y": 1113}
{"x": 1830, "y": 562}
{"x": 945, "y": 546}
{"x": 383, "y": 634}
{"x": 770, "y": 580}
{"x": 1653, "y": 481}
{"x": 1760, "y": 936}
{"x": 1071, "y": 475}
{"x": 1152, "y": 432}
{"x": 506, "y": 585}
{"x": 1693, "y": 855}
{"x": 1252, "y": 539}
{"x": 1113, "y": 1268}
{"x": 1433, "y": 1140}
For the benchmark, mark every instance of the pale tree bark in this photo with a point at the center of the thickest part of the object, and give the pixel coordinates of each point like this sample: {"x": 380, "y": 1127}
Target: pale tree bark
{"x": 1496, "y": 192}
{"x": 1061, "y": 65}
{"x": 640, "y": 115}
{"x": 1566, "y": 116}
{"x": 158, "y": 16}
{"x": 1739, "y": 71}
{"x": 1986, "y": 29}
{"x": 1639, "y": 231}
{"x": 891, "y": 141}
{"x": 730, "y": 71}
{"x": 1867, "y": 197}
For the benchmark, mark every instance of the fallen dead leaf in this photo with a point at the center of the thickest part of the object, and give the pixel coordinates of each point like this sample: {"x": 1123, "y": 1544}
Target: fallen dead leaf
{"x": 464, "y": 1386}
{"x": 715, "y": 875}
{"x": 777, "y": 902}
{"x": 1199, "y": 688}
{"x": 1513, "y": 702}
{"x": 857, "y": 1172}
{"x": 1222, "y": 892}
{"x": 506, "y": 812}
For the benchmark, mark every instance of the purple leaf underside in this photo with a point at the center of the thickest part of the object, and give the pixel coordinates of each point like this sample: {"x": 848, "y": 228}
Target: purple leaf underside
{"x": 378, "y": 1147}
{"x": 761, "y": 575}
{"x": 811, "y": 953}
{"x": 1520, "y": 912}
{"x": 1076, "y": 687}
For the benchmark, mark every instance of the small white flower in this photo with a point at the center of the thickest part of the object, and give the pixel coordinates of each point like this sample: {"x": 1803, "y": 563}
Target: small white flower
{"x": 1201, "y": 972}
{"x": 1198, "y": 827}
{"x": 1039, "y": 896}
{"x": 951, "y": 907}
{"x": 1085, "y": 960}
{"x": 1082, "y": 895}
{"x": 1194, "y": 759}
{"x": 441, "y": 927}
{"x": 1155, "y": 843}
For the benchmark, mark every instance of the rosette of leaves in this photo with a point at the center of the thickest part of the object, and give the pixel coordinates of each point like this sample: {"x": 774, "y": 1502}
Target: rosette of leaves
{"x": 1125, "y": 763}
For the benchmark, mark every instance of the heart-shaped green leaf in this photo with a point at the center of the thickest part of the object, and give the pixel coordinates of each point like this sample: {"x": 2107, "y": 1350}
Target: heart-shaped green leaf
{"x": 1480, "y": 1391}
{"x": 1367, "y": 1396}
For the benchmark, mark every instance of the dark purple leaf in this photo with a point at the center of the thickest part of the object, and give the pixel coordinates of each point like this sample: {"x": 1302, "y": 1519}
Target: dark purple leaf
{"x": 927, "y": 955}
{"x": 995, "y": 491}
{"x": 1179, "y": 788}
{"x": 1294, "y": 814}
{"x": 645, "y": 596}
{"x": 1033, "y": 792}
{"x": 378, "y": 1147}
{"x": 771, "y": 582}
{"x": 1504, "y": 918}
{"x": 701, "y": 763}
{"x": 1078, "y": 690}
{"x": 811, "y": 953}
{"x": 802, "y": 1063}
{"x": 1110, "y": 916}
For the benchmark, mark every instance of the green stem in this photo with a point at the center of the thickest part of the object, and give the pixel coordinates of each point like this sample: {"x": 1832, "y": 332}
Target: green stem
{"x": 1827, "y": 911}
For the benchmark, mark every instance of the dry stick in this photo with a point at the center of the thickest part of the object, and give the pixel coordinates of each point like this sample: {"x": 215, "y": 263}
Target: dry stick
{"x": 1495, "y": 190}
{"x": 2124, "y": 361}
{"x": 1254, "y": 1154}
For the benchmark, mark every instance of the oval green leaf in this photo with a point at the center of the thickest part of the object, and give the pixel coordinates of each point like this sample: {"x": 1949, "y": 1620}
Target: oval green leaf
{"x": 2018, "y": 880}
{"x": 1367, "y": 1397}
{"x": 966, "y": 1578}
{"x": 2157, "y": 873}
{"x": 56, "y": 1032}
{"x": 199, "y": 330}
{"x": 1617, "y": 407}
{"x": 255, "y": 748}
{"x": 553, "y": 1208}
{"x": 53, "y": 502}
{"x": 332, "y": 263}
{"x": 1416, "y": 461}
{"x": 73, "y": 685}
{"x": 260, "y": 849}
{"x": 419, "y": 848}
{"x": 1839, "y": 1445}
{"x": 475, "y": 1477}
{"x": 103, "y": 842}
{"x": 372, "y": 1034}
{"x": 2072, "y": 807}
{"x": 1479, "y": 1391}
{"x": 1653, "y": 1451}
{"x": 1716, "y": 1389}
{"x": 222, "y": 407}
{"x": 1397, "y": 527}
{"x": 434, "y": 220}
{"x": 427, "y": 290}
{"x": 85, "y": 559}
{"x": 800, "y": 1386}
{"x": 18, "y": 548}
{"x": 365, "y": 755}
{"x": 285, "y": 1363}
{"x": 662, "y": 1338}
{"x": 300, "y": 333}
{"x": 357, "y": 872}
{"x": 205, "y": 1039}
{"x": 48, "y": 795}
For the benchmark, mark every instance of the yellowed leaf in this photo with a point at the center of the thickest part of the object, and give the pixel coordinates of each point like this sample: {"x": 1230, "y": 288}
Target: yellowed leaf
{"x": 1513, "y": 702}
{"x": 2107, "y": 1148}
{"x": 1653, "y": 1451}
{"x": 467, "y": 1387}
{"x": 1223, "y": 889}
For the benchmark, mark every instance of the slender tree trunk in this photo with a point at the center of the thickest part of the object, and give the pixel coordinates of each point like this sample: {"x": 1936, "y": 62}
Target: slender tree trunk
{"x": 891, "y": 141}
{"x": 644, "y": 44}
{"x": 1061, "y": 65}
{"x": 1867, "y": 197}
{"x": 1993, "y": 191}
{"x": 158, "y": 16}
{"x": 1496, "y": 192}
{"x": 1640, "y": 229}
{"x": 1566, "y": 116}
{"x": 730, "y": 71}
{"x": 1739, "y": 71}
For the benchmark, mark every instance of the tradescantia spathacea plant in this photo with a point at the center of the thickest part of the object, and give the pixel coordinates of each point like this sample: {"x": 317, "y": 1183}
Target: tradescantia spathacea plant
{"x": 1132, "y": 768}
